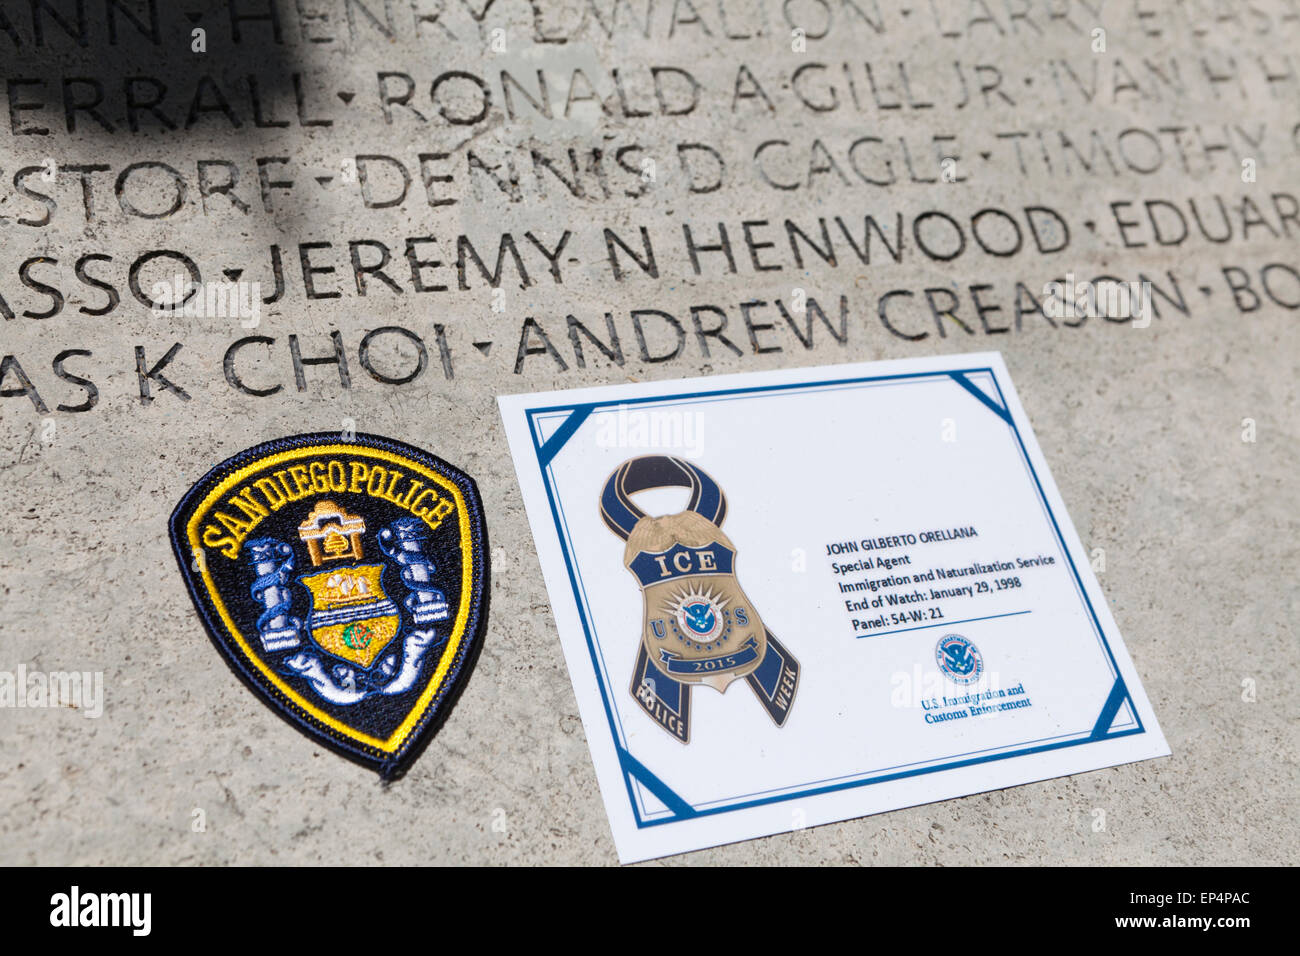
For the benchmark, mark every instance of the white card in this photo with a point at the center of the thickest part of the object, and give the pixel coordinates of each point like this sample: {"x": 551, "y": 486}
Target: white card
{"x": 894, "y": 609}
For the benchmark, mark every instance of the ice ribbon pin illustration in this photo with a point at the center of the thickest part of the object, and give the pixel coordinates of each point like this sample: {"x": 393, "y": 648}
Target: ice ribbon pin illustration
{"x": 699, "y": 626}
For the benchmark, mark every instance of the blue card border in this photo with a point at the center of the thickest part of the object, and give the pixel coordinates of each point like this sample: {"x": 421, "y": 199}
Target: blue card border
{"x": 633, "y": 769}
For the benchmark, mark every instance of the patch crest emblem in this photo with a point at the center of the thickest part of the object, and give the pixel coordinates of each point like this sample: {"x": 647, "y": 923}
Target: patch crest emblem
{"x": 699, "y": 626}
{"x": 346, "y": 583}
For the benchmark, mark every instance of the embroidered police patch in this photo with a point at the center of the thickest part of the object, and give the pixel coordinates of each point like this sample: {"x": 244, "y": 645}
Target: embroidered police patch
{"x": 345, "y": 581}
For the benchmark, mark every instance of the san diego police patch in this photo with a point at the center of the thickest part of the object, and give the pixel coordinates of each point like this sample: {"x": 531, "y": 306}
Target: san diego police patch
{"x": 345, "y": 580}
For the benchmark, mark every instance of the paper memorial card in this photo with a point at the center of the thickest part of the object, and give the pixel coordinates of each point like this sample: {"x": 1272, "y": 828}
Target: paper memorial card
{"x": 800, "y": 596}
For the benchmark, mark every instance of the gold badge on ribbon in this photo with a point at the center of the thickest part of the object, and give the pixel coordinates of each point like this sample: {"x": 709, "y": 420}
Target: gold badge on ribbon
{"x": 699, "y": 626}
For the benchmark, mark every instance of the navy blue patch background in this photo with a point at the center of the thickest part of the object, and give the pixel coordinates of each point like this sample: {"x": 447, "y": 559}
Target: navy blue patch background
{"x": 378, "y": 715}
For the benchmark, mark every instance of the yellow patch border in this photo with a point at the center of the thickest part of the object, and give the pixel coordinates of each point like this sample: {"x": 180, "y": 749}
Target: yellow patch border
{"x": 395, "y": 741}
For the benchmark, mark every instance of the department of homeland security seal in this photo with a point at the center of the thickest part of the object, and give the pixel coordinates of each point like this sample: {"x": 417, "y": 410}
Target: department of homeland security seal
{"x": 345, "y": 580}
{"x": 959, "y": 659}
{"x": 699, "y": 627}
